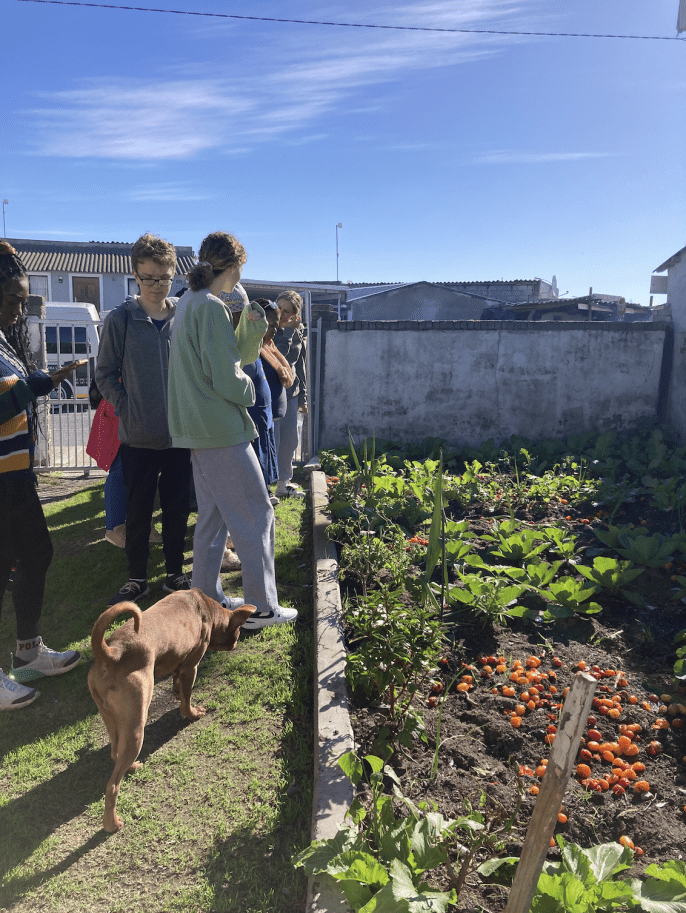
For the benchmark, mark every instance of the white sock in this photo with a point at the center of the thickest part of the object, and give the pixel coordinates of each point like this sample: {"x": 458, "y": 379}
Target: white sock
{"x": 28, "y": 649}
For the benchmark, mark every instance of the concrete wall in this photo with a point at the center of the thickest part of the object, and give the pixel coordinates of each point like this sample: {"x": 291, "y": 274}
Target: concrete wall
{"x": 676, "y": 291}
{"x": 468, "y": 381}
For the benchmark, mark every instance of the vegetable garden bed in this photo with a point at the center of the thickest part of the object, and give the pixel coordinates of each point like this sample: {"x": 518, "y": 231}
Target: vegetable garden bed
{"x": 475, "y": 585}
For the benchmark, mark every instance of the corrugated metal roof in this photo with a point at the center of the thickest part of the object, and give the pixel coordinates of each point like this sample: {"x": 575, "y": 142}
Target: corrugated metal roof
{"x": 86, "y": 257}
{"x": 362, "y": 295}
{"x": 443, "y": 282}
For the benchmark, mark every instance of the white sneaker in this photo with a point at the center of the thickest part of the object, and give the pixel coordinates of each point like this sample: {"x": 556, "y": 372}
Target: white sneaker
{"x": 260, "y": 619}
{"x": 46, "y": 662}
{"x": 14, "y": 696}
{"x": 232, "y": 604}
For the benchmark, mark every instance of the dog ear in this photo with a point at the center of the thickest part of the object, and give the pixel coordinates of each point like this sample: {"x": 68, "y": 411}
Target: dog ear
{"x": 240, "y": 616}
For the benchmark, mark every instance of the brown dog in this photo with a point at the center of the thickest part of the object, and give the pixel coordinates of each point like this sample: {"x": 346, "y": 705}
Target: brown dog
{"x": 169, "y": 637}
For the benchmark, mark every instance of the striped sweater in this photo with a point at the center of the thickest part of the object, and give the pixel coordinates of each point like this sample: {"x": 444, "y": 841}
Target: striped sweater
{"x": 18, "y": 390}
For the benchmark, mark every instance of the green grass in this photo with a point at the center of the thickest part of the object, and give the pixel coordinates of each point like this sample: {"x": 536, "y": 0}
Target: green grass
{"x": 218, "y": 807}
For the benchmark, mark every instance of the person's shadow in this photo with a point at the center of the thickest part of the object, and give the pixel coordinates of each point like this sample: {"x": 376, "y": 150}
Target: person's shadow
{"x": 31, "y": 818}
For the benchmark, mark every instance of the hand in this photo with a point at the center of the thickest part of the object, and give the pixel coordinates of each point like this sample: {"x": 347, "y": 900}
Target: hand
{"x": 255, "y": 313}
{"x": 62, "y": 373}
{"x": 291, "y": 323}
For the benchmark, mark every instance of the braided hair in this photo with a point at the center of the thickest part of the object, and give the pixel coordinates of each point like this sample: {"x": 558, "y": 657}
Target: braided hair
{"x": 12, "y": 267}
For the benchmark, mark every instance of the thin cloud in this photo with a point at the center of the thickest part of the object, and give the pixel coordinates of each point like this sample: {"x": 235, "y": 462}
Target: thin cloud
{"x": 170, "y": 192}
{"x": 511, "y": 157}
{"x": 303, "y": 81}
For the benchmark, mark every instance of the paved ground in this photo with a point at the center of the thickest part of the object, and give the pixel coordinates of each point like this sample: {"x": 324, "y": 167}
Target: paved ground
{"x": 56, "y": 488}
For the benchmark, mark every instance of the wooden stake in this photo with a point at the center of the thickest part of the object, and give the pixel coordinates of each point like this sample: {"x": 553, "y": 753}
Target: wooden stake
{"x": 560, "y": 767}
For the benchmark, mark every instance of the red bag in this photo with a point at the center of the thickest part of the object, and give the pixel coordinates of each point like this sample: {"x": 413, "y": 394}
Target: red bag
{"x": 103, "y": 440}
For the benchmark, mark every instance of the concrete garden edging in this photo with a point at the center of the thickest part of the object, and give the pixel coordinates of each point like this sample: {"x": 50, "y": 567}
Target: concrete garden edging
{"x": 332, "y": 790}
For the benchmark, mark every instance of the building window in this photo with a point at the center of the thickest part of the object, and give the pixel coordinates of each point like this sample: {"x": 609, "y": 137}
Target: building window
{"x": 38, "y": 285}
{"x": 132, "y": 287}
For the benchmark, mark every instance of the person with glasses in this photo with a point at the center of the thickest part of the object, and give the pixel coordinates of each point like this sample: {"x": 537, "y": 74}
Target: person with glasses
{"x": 131, "y": 374}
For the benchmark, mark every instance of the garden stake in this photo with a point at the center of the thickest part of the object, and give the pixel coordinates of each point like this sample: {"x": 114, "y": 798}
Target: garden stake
{"x": 560, "y": 768}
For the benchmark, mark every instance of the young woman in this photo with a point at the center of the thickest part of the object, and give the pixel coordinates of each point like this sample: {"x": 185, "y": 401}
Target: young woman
{"x": 290, "y": 342}
{"x": 24, "y": 537}
{"x": 209, "y": 395}
{"x": 133, "y": 363}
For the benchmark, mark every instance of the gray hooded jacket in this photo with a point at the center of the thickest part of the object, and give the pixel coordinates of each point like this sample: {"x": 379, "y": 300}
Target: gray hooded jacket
{"x": 132, "y": 370}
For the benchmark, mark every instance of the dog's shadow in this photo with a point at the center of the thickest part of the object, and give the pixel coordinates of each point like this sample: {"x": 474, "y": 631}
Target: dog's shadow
{"x": 31, "y": 818}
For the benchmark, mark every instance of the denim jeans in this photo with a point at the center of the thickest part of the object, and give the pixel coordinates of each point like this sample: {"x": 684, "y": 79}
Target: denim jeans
{"x": 115, "y": 495}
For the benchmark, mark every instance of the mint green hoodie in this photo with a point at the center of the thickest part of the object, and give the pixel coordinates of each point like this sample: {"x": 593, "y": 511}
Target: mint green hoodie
{"x": 208, "y": 391}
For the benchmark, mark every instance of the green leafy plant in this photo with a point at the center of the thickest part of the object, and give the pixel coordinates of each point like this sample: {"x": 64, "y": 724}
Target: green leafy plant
{"x": 664, "y": 891}
{"x": 482, "y": 829}
{"x": 540, "y": 574}
{"x": 651, "y": 551}
{"x": 488, "y": 599}
{"x": 572, "y": 596}
{"x": 393, "y": 650}
{"x": 367, "y": 553}
{"x": 611, "y": 535}
{"x": 382, "y": 867}
{"x": 680, "y": 664}
{"x": 613, "y": 575}
{"x": 584, "y": 881}
{"x": 517, "y": 547}
{"x": 560, "y": 541}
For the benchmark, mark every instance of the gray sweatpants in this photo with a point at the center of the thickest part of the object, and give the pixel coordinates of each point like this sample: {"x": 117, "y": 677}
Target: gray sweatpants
{"x": 286, "y": 439}
{"x": 231, "y": 495}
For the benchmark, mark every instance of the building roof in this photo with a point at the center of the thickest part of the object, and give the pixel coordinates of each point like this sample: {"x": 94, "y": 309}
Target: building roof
{"x": 671, "y": 262}
{"x": 361, "y": 295}
{"x": 86, "y": 257}
{"x": 442, "y": 282}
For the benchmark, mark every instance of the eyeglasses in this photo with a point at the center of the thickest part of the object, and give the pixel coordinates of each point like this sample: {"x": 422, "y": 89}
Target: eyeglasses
{"x": 149, "y": 282}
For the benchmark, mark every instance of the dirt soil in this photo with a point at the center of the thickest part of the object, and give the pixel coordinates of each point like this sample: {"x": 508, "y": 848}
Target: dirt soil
{"x": 480, "y": 752}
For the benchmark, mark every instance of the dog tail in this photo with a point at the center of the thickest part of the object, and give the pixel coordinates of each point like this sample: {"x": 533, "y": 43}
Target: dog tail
{"x": 100, "y": 649}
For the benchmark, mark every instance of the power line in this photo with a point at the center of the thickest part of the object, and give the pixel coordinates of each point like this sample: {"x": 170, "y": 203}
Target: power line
{"x": 350, "y": 25}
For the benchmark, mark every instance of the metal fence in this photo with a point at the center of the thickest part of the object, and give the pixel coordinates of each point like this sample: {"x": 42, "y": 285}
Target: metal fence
{"x": 65, "y": 417}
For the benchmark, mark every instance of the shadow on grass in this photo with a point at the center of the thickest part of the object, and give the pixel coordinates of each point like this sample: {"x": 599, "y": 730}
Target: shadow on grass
{"x": 31, "y": 818}
{"x": 280, "y": 887}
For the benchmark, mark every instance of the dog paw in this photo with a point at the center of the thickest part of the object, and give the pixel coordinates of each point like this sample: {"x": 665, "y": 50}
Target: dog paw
{"x": 194, "y": 713}
{"x": 112, "y": 824}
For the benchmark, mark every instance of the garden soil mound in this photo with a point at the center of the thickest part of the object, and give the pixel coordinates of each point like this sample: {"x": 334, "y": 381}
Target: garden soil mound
{"x": 480, "y": 753}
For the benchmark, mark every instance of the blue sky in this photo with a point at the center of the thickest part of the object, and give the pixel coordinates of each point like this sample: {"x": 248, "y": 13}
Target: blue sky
{"x": 446, "y": 156}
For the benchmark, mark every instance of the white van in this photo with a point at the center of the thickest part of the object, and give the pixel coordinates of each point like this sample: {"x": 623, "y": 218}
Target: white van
{"x": 77, "y": 327}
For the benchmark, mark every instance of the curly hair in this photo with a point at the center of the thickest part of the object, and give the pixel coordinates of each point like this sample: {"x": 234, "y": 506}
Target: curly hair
{"x": 11, "y": 264}
{"x": 151, "y": 247}
{"x": 218, "y": 252}
{"x": 293, "y": 298}
{"x": 17, "y": 335}
{"x": 12, "y": 267}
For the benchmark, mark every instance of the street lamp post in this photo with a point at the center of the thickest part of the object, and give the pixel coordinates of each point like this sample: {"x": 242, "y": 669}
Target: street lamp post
{"x": 338, "y": 225}
{"x": 4, "y": 230}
